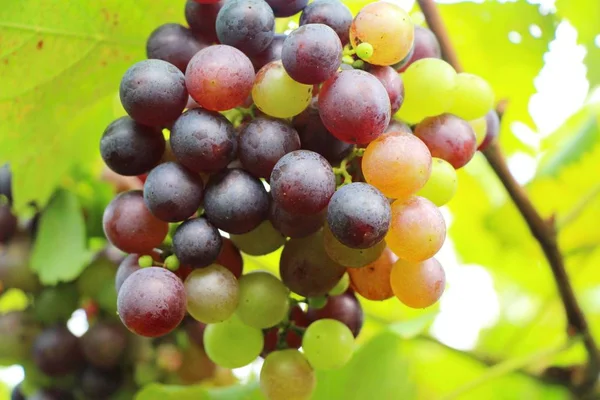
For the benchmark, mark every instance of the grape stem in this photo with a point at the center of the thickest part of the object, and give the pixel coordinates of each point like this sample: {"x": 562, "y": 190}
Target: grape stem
{"x": 342, "y": 170}
{"x": 542, "y": 230}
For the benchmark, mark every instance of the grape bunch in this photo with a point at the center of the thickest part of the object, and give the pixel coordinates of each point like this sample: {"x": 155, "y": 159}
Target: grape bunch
{"x": 334, "y": 144}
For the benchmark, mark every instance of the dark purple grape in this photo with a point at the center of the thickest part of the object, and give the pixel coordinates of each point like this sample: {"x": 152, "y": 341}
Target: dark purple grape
{"x": 51, "y": 394}
{"x": 152, "y": 302}
{"x": 172, "y": 192}
{"x": 153, "y": 92}
{"x": 354, "y": 106}
{"x": 104, "y": 344}
{"x": 130, "y": 226}
{"x": 312, "y": 53}
{"x": 8, "y": 221}
{"x": 398, "y": 126}
{"x": 130, "y": 148}
{"x": 231, "y": 258}
{"x": 6, "y": 182}
{"x": 295, "y": 225}
{"x": 344, "y": 308}
{"x": 262, "y": 142}
{"x": 302, "y": 182}
{"x": 306, "y": 269}
{"x": 17, "y": 394}
{"x": 174, "y": 44}
{"x": 246, "y": 24}
{"x": 392, "y": 82}
{"x": 359, "y": 215}
{"x": 235, "y": 201}
{"x": 332, "y": 13}
{"x": 197, "y": 243}
{"x": 425, "y": 45}
{"x": 202, "y": 19}
{"x": 100, "y": 384}
{"x": 287, "y": 8}
{"x": 56, "y": 351}
{"x": 203, "y": 141}
{"x": 315, "y": 137}
{"x": 492, "y": 129}
{"x": 127, "y": 267}
{"x": 271, "y": 53}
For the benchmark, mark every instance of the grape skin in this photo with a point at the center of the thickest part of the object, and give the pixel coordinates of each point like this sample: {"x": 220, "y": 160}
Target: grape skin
{"x": 202, "y": 19}
{"x": 174, "y": 44}
{"x": 328, "y": 344}
{"x": 212, "y": 294}
{"x": 418, "y": 284}
{"x": 332, "y": 13}
{"x": 271, "y": 53}
{"x": 197, "y": 243}
{"x": 473, "y": 97}
{"x": 373, "y": 281}
{"x": 392, "y": 82}
{"x": 347, "y": 256}
{"x": 295, "y": 225}
{"x": 263, "y": 300}
{"x": 246, "y": 24}
{"x": 344, "y": 308}
{"x": 56, "y": 351}
{"x": 287, "y": 8}
{"x": 442, "y": 184}
{"x": 398, "y": 126}
{"x": 231, "y": 343}
{"x": 231, "y": 258}
{"x": 492, "y": 129}
{"x": 425, "y": 45}
{"x": 104, "y": 344}
{"x": 287, "y": 375}
{"x": 262, "y": 240}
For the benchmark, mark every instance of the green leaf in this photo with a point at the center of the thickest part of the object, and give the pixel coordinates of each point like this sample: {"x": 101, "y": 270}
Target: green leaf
{"x": 13, "y": 300}
{"x": 59, "y": 253}
{"x": 156, "y": 391}
{"x": 411, "y": 328}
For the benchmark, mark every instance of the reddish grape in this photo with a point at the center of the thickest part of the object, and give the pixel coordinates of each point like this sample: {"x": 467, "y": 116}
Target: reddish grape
{"x": 231, "y": 258}
{"x": 392, "y": 82}
{"x": 128, "y": 266}
{"x": 398, "y": 126}
{"x": 202, "y": 17}
{"x": 174, "y": 44}
{"x": 332, "y": 13}
{"x": 425, "y": 45}
{"x": 373, "y": 281}
{"x": 344, "y": 308}
{"x": 295, "y": 225}
{"x": 492, "y": 129}
{"x": 418, "y": 284}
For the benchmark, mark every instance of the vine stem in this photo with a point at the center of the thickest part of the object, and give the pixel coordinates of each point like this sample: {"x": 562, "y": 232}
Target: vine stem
{"x": 543, "y": 231}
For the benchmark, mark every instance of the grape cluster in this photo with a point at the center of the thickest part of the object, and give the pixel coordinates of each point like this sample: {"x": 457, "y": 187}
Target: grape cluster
{"x": 336, "y": 143}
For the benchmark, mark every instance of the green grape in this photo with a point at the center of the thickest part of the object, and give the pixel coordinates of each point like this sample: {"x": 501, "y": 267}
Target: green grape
{"x": 328, "y": 344}
{"x": 287, "y": 375}
{"x": 442, "y": 183}
{"x": 276, "y": 94}
{"x": 56, "y": 303}
{"x": 145, "y": 261}
{"x": 317, "y": 302}
{"x": 429, "y": 85}
{"x": 212, "y": 294}
{"x": 473, "y": 97}
{"x": 479, "y": 126}
{"x": 231, "y": 343}
{"x": 263, "y": 300}
{"x": 347, "y": 256}
{"x": 364, "y": 51}
{"x": 172, "y": 262}
{"x": 262, "y": 240}
{"x": 341, "y": 286}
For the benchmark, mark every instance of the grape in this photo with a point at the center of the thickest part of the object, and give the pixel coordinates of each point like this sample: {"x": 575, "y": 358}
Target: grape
{"x": 194, "y": 330}
{"x": 127, "y": 267}
{"x": 276, "y": 94}
{"x": 197, "y": 243}
{"x": 18, "y": 331}
{"x": 292, "y": 339}
{"x": 315, "y": 137}
{"x": 332, "y": 13}
{"x": 373, "y": 281}
{"x": 492, "y": 131}
{"x": 99, "y": 384}
{"x": 219, "y": 77}
{"x": 231, "y": 258}
{"x": 354, "y": 106}
{"x": 306, "y": 268}
{"x": 417, "y": 230}
{"x": 262, "y": 142}
{"x": 328, "y": 344}
{"x": 392, "y": 82}
{"x": 348, "y": 256}
{"x": 429, "y": 86}
{"x": 235, "y": 201}
{"x": 174, "y": 44}
{"x": 473, "y": 97}
{"x": 448, "y": 137}
{"x": 387, "y": 27}
{"x": 271, "y": 53}
{"x": 172, "y": 192}
{"x": 398, "y": 126}
{"x": 442, "y": 183}
{"x": 56, "y": 351}
{"x": 262, "y": 240}
{"x": 196, "y": 366}
{"x": 312, "y": 53}
{"x": 425, "y": 45}
{"x": 130, "y": 226}
{"x": 344, "y": 308}
{"x": 56, "y": 303}
{"x": 51, "y": 394}
{"x": 153, "y": 92}
{"x": 418, "y": 284}
{"x": 246, "y": 24}
{"x": 397, "y": 163}
{"x": 302, "y": 182}
{"x": 358, "y": 215}
{"x": 287, "y": 375}
{"x": 8, "y": 223}
{"x": 263, "y": 300}
{"x": 231, "y": 343}
{"x": 295, "y": 225}
{"x": 212, "y": 294}
{"x": 6, "y": 183}
{"x": 129, "y": 148}
{"x": 341, "y": 286}
{"x": 202, "y": 18}
{"x": 14, "y": 265}
{"x": 104, "y": 344}
{"x": 479, "y": 126}
{"x": 152, "y": 302}
{"x": 286, "y": 8}
{"x": 203, "y": 141}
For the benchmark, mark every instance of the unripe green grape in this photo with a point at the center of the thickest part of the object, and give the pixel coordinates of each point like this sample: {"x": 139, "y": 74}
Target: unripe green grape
{"x": 473, "y": 97}
{"x": 172, "y": 262}
{"x": 145, "y": 261}
{"x": 287, "y": 375}
{"x": 231, "y": 343}
{"x": 341, "y": 286}
{"x": 262, "y": 240}
{"x": 263, "y": 300}
{"x": 364, "y": 51}
{"x": 328, "y": 344}
{"x": 317, "y": 302}
{"x": 212, "y": 294}
{"x": 442, "y": 183}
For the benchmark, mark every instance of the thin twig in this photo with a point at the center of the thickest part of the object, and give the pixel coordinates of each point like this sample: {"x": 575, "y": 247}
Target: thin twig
{"x": 543, "y": 231}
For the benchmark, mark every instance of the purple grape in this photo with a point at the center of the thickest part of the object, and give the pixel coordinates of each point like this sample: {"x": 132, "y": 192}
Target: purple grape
{"x": 492, "y": 129}
{"x": 56, "y": 351}
{"x": 287, "y": 8}
{"x": 332, "y": 13}
{"x": 392, "y": 82}
{"x": 344, "y": 308}
{"x": 127, "y": 267}
{"x": 100, "y": 384}
{"x": 104, "y": 344}
{"x": 246, "y": 24}
{"x": 295, "y": 225}
{"x": 271, "y": 53}
{"x": 202, "y": 19}
{"x": 425, "y": 45}
{"x": 174, "y": 44}
{"x": 197, "y": 243}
